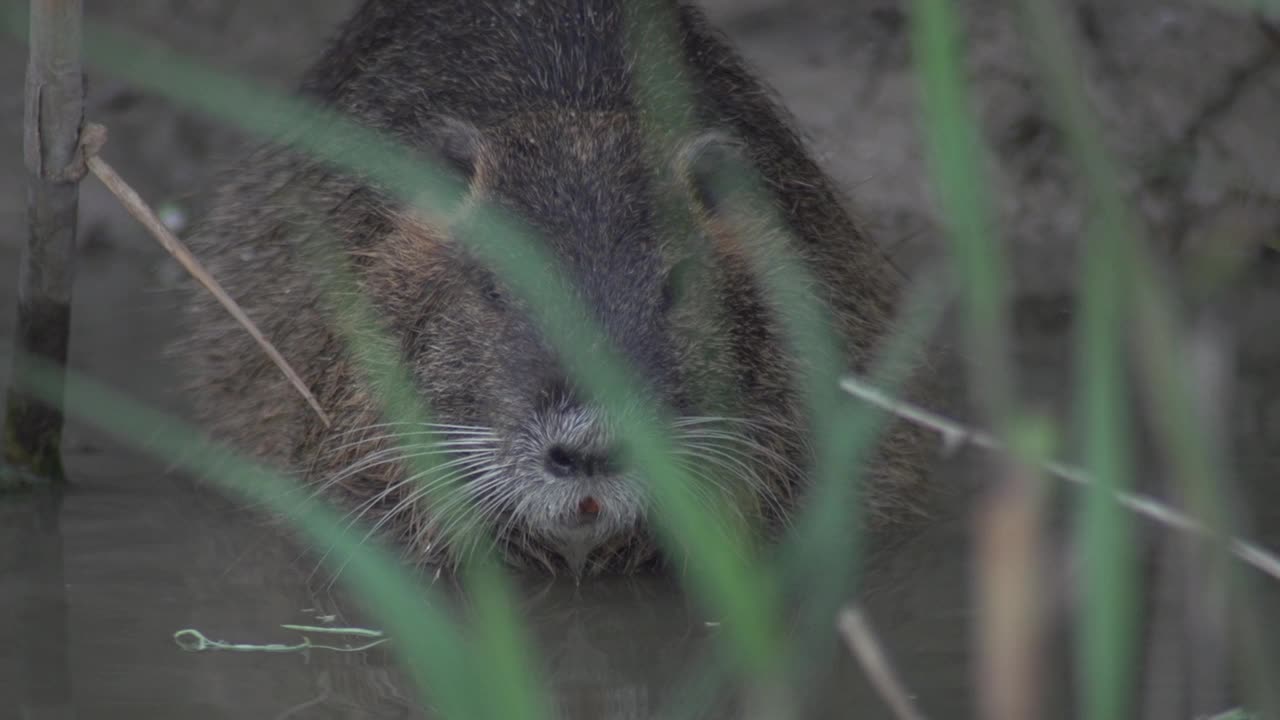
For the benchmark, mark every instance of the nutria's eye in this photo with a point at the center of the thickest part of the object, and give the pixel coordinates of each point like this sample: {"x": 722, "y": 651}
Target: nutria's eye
{"x": 457, "y": 144}
{"x": 492, "y": 292}
{"x": 676, "y": 285}
{"x": 715, "y": 166}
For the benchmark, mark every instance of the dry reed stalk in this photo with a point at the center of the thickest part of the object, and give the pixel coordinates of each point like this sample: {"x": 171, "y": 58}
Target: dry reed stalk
{"x": 1010, "y": 618}
{"x": 956, "y": 435}
{"x": 94, "y": 138}
{"x": 862, "y": 642}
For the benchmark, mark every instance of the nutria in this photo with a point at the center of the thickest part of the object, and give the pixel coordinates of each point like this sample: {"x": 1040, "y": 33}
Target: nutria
{"x": 533, "y": 104}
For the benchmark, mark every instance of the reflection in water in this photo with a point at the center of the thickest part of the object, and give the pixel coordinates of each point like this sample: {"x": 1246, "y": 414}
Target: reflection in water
{"x": 33, "y": 599}
{"x": 613, "y": 649}
{"x": 147, "y": 556}
{"x": 100, "y": 580}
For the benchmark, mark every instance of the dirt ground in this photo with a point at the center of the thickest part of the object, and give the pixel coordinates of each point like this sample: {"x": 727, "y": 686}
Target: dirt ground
{"x": 1189, "y": 94}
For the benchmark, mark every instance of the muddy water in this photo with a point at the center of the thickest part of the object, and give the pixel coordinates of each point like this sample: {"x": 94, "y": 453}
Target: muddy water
{"x": 97, "y": 587}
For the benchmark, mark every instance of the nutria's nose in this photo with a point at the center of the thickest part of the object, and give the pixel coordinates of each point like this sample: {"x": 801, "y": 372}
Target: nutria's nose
{"x": 567, "y": 462}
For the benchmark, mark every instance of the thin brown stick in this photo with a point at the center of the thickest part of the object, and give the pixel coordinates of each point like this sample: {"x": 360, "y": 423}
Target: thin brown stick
{"x": 864, "y": 646}
{"x": 94, "y": 137}
{"x": 956, "y": 435}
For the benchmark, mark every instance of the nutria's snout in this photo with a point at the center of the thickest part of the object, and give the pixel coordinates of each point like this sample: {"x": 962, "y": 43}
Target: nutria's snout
{"x": 576, "y": 495}
{"x": 575, "y": 443}
{"x": 568, "y": 461}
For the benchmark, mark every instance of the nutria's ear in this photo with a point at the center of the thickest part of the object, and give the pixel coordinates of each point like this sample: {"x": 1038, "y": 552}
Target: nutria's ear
{"x": 458, "y": 144}
{"x": 716, "y": 168}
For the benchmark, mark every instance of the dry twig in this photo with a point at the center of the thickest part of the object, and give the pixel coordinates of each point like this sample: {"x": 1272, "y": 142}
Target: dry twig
{"x": 862, "y": 643}
{"x": 955, "y": 435}
{"x": 92, "y": 140}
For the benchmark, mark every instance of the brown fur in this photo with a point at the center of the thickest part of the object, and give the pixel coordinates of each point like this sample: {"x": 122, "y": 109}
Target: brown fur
{"x": 535, "y": 108}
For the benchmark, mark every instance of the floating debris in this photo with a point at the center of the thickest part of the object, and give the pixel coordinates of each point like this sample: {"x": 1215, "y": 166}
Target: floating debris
{"x": 193, "y": 640}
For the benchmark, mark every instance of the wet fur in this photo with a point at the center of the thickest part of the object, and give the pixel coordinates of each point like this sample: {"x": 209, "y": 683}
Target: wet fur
{"x": 547, "y": 86}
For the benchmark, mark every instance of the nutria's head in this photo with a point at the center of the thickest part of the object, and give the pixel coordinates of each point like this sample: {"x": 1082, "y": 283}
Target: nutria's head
{"x": 641, "y": 243}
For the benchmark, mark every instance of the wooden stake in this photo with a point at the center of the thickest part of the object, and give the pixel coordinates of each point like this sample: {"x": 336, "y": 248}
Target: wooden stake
{"x": 54, "y": 115}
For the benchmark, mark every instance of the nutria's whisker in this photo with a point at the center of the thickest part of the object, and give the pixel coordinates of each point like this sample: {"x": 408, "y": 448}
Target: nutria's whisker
{"x": 411, "y": 423}
{"x": 464, "y": 516}
{"x": 472, "y": 465}
{"x": 463, "y": 469}
{"x": 743, "y": 448}
{"x": 450, "y": 437}
{"x": 461, "y": 442}
{"x": 363, "y": 464}
{"x": 694, "y": 420}
{"x": 375, "y": 432}
{"x": 477, "y": 471}
{"x": 710, "y": 484}
{"x": 710, "y": 495}
{"x": 506, "y": 530}
{"x": 389, "y": 456}
{"x": 491, "y": 503}
{"x": 752, "y": 443}
{"x": 419, "y": 430}
{"x": 497, "y": 508}
{"x": 465, "y": 463}
{"x": 739, "y": 468}
{"x": 753, "y": 462}
{"x": 411, "y": 500}
{"x": 773, "y": 427}
{"x": 457, "y": 468}
{"x": 487, "y": 477}
{"x": 473, "y": 538}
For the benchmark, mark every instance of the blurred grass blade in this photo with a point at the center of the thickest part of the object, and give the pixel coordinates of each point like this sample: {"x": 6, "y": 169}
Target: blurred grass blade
{"x": 516, "y": 690}
{"x": 1123, "y": 285}
{"x": 827, "y": 525}
{"x": 506, "y": 649}
{"x": 1108, "y": 645}
{"x": 1200, "y": 465}
{"x": 959, "y": 176}
{"x": 1106, "y": 528}
{"x": 412, "y": 615}
{"x": 1157, "y": 342}
{"x": 807, "y": 551}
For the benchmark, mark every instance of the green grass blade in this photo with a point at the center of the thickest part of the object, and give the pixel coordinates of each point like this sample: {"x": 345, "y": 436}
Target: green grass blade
{"x": 423, "y": 636}
{"x": 959, "y": 176}
{"x": 516, "y": 690}
{"x": 829, "y": 518}
{"x": 519, "y": 690}
{"x": 1110, "y": 618}
{"x": 1130, "y": 289}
